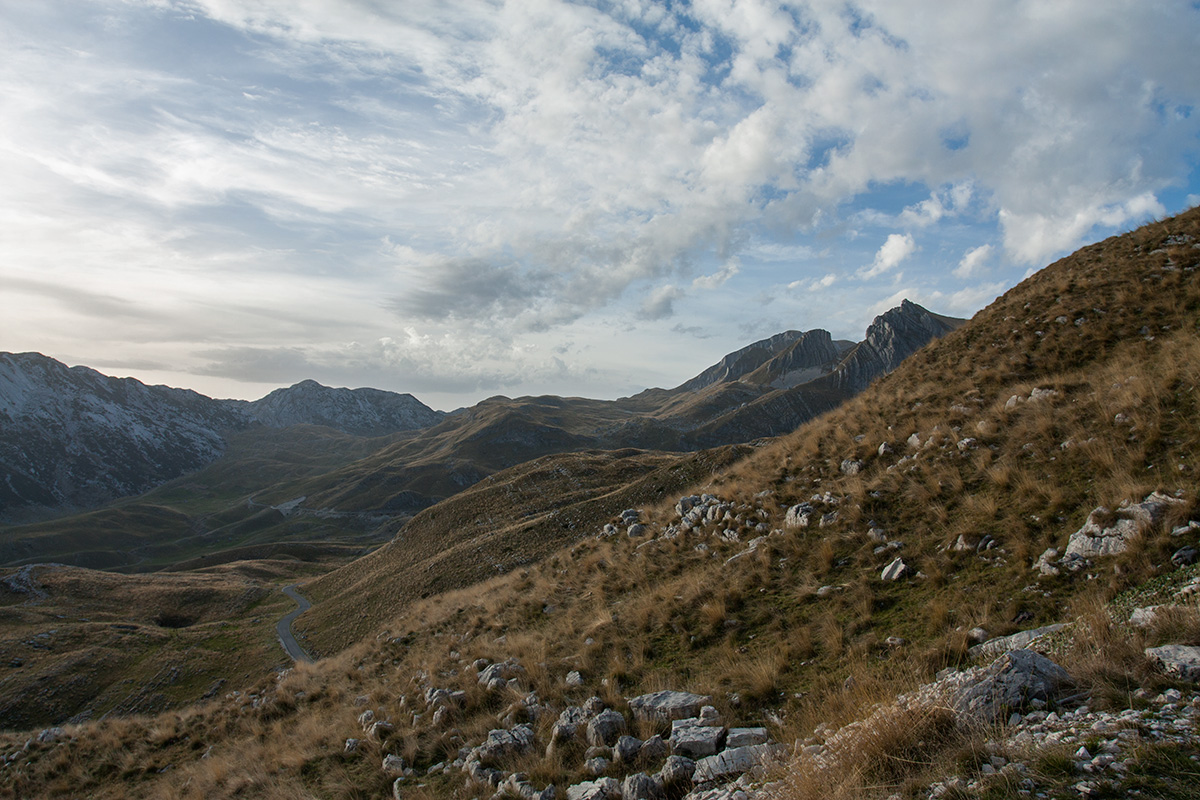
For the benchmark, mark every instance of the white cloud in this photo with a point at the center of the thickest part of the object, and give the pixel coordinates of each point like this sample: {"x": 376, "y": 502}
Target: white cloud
{"x": 659, "y": 304}
{"x": 518, "y": 167}
{"x": 891, "y": 253}
{"x": 974, "y": 262}
{"x": 727, "y": 271}
{"x": 815, "y": 285}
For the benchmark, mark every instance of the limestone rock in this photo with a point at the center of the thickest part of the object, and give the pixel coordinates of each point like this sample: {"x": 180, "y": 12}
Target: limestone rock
{"x": 1009, "y": 684}
{"x": 733, "y": 761}
{"x": 1016, "y": 641}
{"x": 677, "y": 771}
{"x": 641, "y": 786}
{"x": 667, "y": 705}
{"x": 393, "y": 765}
{"x": 695, "y": 740}
{"x": 602, "y": 789}
{"x": 895, "y": 570}
{"x": 351, "y": 746}
{"x": 1182, "y": 661}
{"x": 605, "y": 727}
{"x": 574, "y": 678}
{"x": 851, "y": 466}
{"x": 744, "y": 737}
{"x": 1102, "y": 535}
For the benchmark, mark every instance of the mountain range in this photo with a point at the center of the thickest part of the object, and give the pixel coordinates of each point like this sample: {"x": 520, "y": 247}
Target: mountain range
{"x": 73, "y": 439}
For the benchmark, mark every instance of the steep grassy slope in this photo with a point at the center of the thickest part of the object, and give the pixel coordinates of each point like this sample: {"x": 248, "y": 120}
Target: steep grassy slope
{"x": 795, "y": 631}
{"x": 510, "y": 519}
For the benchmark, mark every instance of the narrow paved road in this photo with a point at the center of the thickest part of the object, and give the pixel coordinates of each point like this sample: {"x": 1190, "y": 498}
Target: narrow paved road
{"x": 284, "y": 627}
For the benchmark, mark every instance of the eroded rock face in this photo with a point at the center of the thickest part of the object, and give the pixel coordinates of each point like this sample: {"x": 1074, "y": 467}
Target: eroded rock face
{"x": 1106, "y": 533}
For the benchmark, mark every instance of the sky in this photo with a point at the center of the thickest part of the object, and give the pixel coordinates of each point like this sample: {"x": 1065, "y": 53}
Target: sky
{"x": 463, "y": 199}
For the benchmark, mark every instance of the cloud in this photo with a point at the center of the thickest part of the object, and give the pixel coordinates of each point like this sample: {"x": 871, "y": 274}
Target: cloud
{"x": 815, "y": 285}
{"x": 659, "y": 304}
{"x": 974, "y": 262}
{"x": 719, "y": 277}
{"x": 891, "y": 253}
{"x": 1030, "y": 238}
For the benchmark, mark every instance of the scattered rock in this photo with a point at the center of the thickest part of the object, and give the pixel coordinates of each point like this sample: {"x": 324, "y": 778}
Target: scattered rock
{"x": 393, "y": 765}
{"x": 351, "y": 746}
{"x": 895, "y": 570}
{"x": 851, "y": 466}
{"x": 574, "y": 678}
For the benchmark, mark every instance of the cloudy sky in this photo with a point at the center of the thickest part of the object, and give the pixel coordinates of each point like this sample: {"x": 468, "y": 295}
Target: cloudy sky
{"x": 460, "y": 199}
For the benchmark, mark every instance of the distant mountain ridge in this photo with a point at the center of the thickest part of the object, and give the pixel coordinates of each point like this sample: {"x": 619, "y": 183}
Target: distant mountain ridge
{"x": 362, "y": 412}
{"x": 72, "y": 438}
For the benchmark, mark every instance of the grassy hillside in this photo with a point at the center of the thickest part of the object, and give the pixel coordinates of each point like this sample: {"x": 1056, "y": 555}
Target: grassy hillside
{"x": 81, "y": 644}
{"x": 1101, "y": 352}
{"x": 509, "y": 520}
{"x": 223, "y": 508}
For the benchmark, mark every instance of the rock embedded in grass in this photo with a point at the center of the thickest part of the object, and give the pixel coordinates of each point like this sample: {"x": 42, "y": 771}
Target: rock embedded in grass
{"x": 667, "y": 705}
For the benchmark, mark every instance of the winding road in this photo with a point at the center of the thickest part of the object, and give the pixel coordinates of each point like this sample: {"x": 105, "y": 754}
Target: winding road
{"x": 284, "y": 628}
